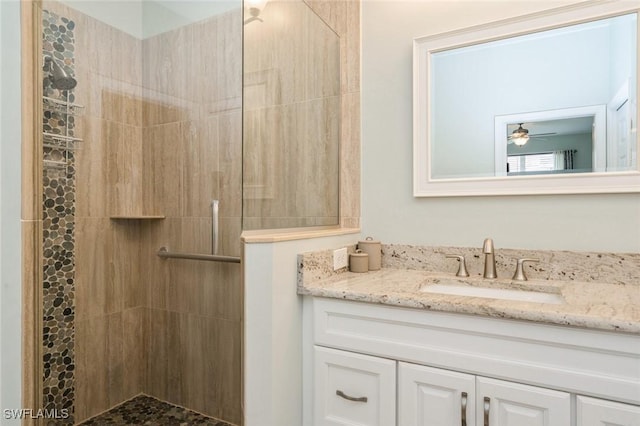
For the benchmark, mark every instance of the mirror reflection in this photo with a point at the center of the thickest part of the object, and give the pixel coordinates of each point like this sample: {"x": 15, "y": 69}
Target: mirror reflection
{"x": 555, "y": 101}
{"x": 555, "y": 146}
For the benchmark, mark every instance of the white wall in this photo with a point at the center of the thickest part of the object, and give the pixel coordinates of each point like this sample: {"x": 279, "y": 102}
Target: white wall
{"x": 389, "y": 210}
{"x": 1, "y": 190}
{"x": 10, "y": 246}
{"x": 273, "y": 336}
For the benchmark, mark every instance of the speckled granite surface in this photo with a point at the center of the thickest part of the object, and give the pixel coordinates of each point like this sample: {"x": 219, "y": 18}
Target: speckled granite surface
{"x": 600, "y": 291}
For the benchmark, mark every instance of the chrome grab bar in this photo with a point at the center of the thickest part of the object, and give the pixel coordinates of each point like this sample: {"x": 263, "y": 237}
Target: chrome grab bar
{"x": 215, "y": 210}
{"x": 165, "y": 253}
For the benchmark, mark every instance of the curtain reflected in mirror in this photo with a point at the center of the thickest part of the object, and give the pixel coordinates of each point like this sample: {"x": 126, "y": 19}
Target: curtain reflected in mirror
{"x": 543, "y": 162}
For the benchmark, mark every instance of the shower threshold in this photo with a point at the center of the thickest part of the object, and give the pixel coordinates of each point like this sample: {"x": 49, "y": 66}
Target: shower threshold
{"x": 146, "y": 410}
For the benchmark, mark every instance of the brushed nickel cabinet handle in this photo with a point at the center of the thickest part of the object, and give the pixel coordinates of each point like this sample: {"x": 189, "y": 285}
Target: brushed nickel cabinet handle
{"x": 463, "y": 409}
{"x": 487, "y": 404}
{"x": 351, "y": 398}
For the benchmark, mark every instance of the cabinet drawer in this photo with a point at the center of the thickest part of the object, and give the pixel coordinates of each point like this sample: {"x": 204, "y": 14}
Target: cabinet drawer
{"x": 353, "y": 389}
{"x": 598, "y": 412}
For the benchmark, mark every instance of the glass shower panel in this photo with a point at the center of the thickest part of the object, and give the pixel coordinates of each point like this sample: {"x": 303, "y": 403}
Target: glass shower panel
{"x": 142, "y": 129}
{"x": 291, "y": 122}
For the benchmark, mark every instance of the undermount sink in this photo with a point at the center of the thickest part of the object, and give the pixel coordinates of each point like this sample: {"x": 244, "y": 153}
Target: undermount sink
{"x": 462, "y": 288}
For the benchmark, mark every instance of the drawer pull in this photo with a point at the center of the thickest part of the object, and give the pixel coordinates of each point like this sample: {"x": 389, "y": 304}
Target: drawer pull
{"x": 463, "y": 409}
{"x": 351, "y": 398}
{"x": 487, "y": 404}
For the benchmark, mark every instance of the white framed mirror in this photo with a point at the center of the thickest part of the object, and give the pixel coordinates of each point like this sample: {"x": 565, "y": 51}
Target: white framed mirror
{"x": 492, "y": 103}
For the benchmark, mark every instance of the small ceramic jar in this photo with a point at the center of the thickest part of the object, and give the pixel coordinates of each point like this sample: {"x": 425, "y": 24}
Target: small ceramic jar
{"x": 374, "y": 250}
{"x": 359, "y": 262}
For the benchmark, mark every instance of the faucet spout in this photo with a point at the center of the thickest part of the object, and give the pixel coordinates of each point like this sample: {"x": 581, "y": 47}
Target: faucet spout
{"x": 489, "y": 259}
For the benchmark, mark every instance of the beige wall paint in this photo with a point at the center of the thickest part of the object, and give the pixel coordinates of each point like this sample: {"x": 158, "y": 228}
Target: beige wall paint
{"x": 392, "y": 214}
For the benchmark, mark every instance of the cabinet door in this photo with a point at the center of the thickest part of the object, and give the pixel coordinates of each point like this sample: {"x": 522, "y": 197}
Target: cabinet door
{"x": 435, "y": 397}
{"x": 502, "y": 403}
{"x": 598, "y": 412}
{"x": 353, "y": 389}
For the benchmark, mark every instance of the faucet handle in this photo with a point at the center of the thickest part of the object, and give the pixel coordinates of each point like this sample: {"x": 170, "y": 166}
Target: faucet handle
{"x": 462, "y": 269}
{"x": 519, "y": 274}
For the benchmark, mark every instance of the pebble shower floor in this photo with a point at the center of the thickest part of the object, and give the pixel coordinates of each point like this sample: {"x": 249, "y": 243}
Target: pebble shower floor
{"x": 145, "y": 410}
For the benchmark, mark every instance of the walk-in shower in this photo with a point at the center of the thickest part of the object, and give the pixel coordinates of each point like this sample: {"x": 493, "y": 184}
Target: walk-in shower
{"x": 142, "y": 128}
{"x": 167, "y": 128}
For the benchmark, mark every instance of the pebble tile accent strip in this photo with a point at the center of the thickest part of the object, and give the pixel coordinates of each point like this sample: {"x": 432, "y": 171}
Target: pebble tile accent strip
{"x": 145, "y": 410}
{"x": 58, "y": 231}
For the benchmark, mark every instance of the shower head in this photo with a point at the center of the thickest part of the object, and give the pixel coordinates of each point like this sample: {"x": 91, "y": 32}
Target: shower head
{"x": 59, "y": 78}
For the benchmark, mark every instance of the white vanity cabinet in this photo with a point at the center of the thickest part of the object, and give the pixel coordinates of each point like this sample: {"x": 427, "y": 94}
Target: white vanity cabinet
{"x": 424, "y": 368}
{"x": 430, "y": 396}
{"x": 598, "y": 412}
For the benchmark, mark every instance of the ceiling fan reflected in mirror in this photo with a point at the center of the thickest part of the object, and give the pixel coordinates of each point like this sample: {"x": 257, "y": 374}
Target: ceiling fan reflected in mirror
{"x": 521, "y": 136}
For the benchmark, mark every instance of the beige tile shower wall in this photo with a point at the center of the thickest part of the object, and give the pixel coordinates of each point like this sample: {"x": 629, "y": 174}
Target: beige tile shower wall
{"x": 344, "y": 18}
{"x": 280, "y": 97}
{"x": 192, "y": 153}
{"x": 288, "y": 147}
{"x": 110, "y": 360}
{"x": 109, "y": 297}
{"x": 192, "y": 136}
{"x": 109, "y": 71}
{"x": 166, "y": 147}
{"x": 197, "y": 362}
{"x": 292, "y": 90}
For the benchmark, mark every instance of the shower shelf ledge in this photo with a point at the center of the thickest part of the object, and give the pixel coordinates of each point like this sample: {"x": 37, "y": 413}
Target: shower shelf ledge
{"x": 61, "y": 106}
{"x": 55, "y": 141}
{"x": 137, "y": 217}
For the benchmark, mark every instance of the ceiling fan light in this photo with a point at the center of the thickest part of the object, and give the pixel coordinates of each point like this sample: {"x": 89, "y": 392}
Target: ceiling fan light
{"x": 520, "y": 140}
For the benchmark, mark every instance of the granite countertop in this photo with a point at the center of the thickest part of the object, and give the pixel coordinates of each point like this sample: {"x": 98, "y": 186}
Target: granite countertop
{"x": 602, "y": 306}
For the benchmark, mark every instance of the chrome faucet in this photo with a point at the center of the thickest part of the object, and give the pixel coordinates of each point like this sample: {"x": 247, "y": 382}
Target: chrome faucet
{"x": 489, "y": 259}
